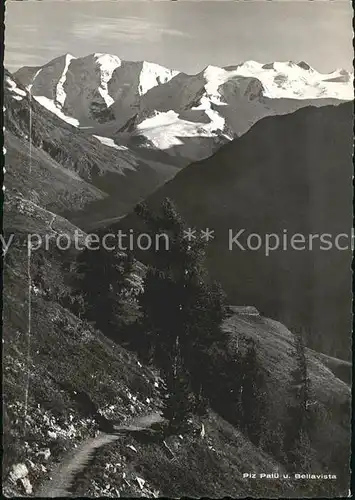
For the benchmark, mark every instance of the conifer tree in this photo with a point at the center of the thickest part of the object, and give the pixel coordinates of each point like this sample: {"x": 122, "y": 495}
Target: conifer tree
{"x": 103, "y": 285}
{"x": 179, "y": 403}
{"x": 253, "y": 394}
{"x": 181, "y": 312}
{"x": 225, "y": 389}
{"x": 300, "y": 416}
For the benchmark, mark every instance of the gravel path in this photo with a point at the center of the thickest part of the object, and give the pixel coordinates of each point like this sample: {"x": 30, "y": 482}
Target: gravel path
{"x": 64, "y": 474}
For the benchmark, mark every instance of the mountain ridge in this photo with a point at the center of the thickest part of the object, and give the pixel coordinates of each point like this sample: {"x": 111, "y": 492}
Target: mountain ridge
{"x": 108, "y": 96}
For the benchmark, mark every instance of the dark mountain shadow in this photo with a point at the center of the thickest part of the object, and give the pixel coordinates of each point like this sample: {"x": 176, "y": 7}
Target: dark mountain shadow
{"x": 288, "y": 173}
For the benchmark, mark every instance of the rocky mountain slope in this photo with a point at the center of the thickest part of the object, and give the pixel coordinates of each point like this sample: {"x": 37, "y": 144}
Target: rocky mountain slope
{"x": 289, "y": 174}
{"x": 188, "y": 116}
{"x": 64, "y": 383}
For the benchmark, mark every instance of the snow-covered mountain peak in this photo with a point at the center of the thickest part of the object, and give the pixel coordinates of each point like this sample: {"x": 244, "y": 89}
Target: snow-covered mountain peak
{"x": 86, "y": 88}
{"x": 305, "y": 66}
{"x": 233, "y": 79}
{"x": 210, "y": 71}
{"x": 113, "y": 96}
{"x": 153, "y": 74}
{"x": 284, "y": 65}
{"x": 287, "y": 79}
{"x": 68, "y": 56}
{"x": 215, "y": 77}
{"x": 107, "y": 63}
{"x": 251, "y": 65}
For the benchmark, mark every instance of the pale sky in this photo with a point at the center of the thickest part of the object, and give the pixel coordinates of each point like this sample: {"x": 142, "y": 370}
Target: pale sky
{"x": 182, "y": 35}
